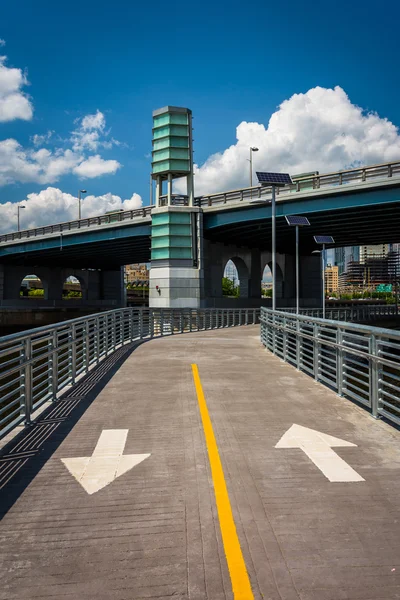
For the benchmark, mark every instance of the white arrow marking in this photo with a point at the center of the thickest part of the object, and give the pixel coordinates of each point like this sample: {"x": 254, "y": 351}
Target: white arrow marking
{"x": 106, "y": 463}
{"x": 318, "y": 447}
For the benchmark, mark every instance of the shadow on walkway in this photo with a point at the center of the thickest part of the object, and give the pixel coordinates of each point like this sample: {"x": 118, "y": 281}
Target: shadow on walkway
{"x": 24, "y": 456}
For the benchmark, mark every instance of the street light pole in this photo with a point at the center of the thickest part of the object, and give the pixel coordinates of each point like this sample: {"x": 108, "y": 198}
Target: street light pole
{"x": 323, "y": 240}
{"x": 323, "y": 281}
{"x": 297, "y": 221}
{"x": 18, "y": 218}
{"x": 79, "y": 203}
{"x": 273, "y": 225}
{"x": 272, "y": 180}
{"x": 297, "y": 272}
{"x": 252, "y": 149}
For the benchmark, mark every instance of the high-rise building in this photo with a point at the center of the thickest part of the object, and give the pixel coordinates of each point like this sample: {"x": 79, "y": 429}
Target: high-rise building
{"x": 343, "y": 256}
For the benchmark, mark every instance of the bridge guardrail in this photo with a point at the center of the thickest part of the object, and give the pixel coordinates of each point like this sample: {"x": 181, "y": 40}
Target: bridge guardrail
{"x": 36, "y": 366}
{"x": 108, "y": 219}
{"x": 309, "y": 183}
{"x": 359, "y": 362}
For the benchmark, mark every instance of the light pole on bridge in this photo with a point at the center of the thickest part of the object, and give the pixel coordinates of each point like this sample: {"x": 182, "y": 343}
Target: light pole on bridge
{"x": 79, "y": 202}
{"x": 252, "y": 149}
{"x": 18, "y": 218}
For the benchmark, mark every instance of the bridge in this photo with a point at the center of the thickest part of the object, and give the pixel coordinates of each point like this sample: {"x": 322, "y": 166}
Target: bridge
{"x": 200, "y": 453}
{"x": 357, "y": 206}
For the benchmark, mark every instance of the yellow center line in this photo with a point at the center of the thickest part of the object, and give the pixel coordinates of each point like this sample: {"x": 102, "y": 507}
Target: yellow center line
{"x": 237, "y": 568}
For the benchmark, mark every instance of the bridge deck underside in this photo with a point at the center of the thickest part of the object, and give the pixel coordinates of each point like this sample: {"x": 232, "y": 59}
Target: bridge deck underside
{"x": 105, "y": 254}
{"x": 373, "y": 224}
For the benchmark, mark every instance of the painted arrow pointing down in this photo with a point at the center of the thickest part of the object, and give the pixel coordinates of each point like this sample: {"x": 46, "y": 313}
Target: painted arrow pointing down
{"x": 318, "y": 447}
{"x": 106, "y": 463}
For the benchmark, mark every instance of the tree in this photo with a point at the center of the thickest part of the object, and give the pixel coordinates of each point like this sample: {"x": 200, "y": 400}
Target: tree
{"x": 228, "y": 288}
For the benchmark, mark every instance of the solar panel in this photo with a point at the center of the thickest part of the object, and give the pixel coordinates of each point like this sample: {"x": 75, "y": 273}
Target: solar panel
{"x": 297, "y": 220}
{"x": 324, "y": 239}
{"x": 279, "y": 179}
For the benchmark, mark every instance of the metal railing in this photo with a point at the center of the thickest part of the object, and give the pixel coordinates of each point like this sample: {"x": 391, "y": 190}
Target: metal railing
{"x": 39, "y": 364}
{"x": 357, "y": 314}
{"x": 305, "y": 184}
{"x": 109, "y": 219}
{"x": 357, "y": 361}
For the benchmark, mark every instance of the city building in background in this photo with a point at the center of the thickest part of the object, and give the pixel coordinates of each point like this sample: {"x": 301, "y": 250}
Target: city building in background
{"x": 343, "y": 256}
{"x": 331, "y": 279}
{"x": 137, "y": 274}
{"x": 377, "y": 269}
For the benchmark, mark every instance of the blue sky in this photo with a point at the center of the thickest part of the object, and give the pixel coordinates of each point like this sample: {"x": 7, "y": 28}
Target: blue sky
{"x": 230, "y": 62}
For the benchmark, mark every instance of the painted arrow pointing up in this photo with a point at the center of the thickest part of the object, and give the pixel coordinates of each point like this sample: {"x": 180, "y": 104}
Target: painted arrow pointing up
{"x": 318, "y": 447}
{"x": 106, "y": 463}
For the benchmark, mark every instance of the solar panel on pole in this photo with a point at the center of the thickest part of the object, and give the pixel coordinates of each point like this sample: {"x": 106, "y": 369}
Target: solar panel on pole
{"x": 297, "y": 220}
{"x": 278, "y": 179}
{"x": 324, "y": 239}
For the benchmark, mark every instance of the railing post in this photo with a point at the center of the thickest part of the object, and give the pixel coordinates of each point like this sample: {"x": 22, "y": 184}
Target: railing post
{"x": 140, "y": 332}
{"x": 339, "y": 363}
{"x": 72, "y": 340}
{"x": 113, "y": 331}
{"x": 54, "y": 366}
{"x": 161, "y": 322}
{"x": 28, "y": 380}
{"x": 151, "y": 323}
{"x": 273, "y": 332}
{"x": 298, "y": 343}
{"x": 284, "y": 340}
{"x": 316, "y": 351}
{"x": 374, "y": 376}
{"x": 97, "y": 325}
{"x": 86, "y": 349}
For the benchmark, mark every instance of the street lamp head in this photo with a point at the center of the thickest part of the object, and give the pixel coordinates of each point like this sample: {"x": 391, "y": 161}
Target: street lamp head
{"x": 254, "y": 149}
{"x": 20, "y": 206}
{"x": 83, "y": 191}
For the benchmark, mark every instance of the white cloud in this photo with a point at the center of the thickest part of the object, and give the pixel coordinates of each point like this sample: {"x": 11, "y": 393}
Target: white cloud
{"x": 14, "y": 104}
{"x": 319, "y": 130}
{"x": 91, "y": 134}
{"x": 96, "y": 121}
{"x": 95, "y": 166}
{"x": 51, "y": 205}
{"x": 39, "y": 140}
{"x": 2, "y": 42}
{"x": 43, "y": 165}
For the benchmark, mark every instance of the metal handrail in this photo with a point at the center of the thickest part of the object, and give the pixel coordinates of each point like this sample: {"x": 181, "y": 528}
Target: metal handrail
{"x": 359, "y": 362}
{"x": 369, "y": 312}
{"x": 36, "y": 366}
{"x": 108, "y": 219}
{"x": 308, "y": 184}
{"x": 312, "y": 183}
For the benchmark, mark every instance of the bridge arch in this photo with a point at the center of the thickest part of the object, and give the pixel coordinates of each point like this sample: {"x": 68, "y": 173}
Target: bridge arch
{"x": 73, "y": 287}
{"x": 33, "y": 286}
{"x": 237, "y": 270}
{"x": 266, "y": 278}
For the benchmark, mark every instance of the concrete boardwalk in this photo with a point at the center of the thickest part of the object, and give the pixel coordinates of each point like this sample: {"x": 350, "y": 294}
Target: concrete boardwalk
{"x": 154, "y": 532}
